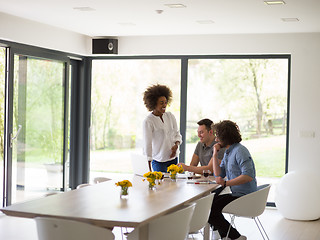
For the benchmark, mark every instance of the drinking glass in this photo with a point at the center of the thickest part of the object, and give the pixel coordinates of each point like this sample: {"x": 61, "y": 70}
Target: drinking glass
{"x": 206, "y": 174}
{"x": 189, "y": 175}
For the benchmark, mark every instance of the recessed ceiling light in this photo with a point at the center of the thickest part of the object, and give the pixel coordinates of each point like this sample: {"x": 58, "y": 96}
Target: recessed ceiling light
{"x": 290, "y": 19}
{"x": 84, "y": 9}
{"x": 176, "y": 5}
{"x": 274, "y": 2}
{"x": 129, "y": 24}
{"x": 205, "y": 21}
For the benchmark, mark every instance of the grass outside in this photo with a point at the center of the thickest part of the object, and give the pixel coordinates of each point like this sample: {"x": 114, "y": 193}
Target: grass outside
{"x": 268, "y": 155}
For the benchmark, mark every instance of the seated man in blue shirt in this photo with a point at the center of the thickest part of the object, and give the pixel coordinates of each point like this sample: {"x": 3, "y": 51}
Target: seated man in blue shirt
{"x": 236, "y": 170}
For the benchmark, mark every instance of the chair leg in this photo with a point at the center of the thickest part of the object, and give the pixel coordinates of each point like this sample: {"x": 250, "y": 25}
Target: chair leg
{"x": 231, "y": 224}
{"x": 260, "y": 226}
{"x": 206, "y": 231}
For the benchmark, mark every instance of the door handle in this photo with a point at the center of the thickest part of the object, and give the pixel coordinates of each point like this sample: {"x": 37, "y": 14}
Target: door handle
{"x": 17, "y": 134}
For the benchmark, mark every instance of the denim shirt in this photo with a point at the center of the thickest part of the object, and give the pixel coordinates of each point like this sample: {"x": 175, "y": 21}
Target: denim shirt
{"x": 238, "y": 161}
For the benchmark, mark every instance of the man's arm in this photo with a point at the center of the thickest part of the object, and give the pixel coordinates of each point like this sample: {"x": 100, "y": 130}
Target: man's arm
{"x": 194, "y": 165}
{"x": 195, "y": 160}
{"x": 215, "y": 160}
{"x": 233, "y": 182}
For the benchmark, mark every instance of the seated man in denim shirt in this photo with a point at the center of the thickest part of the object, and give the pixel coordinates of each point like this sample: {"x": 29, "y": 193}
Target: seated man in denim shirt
{"x": 236, "y": 170}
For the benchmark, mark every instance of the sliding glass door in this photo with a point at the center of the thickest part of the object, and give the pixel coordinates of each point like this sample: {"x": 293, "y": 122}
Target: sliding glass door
{"x": 2, "y": 103}
{"x": 37, "y": 136}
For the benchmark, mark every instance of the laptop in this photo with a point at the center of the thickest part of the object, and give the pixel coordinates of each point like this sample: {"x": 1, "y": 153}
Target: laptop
{"x": 139, "y": 164}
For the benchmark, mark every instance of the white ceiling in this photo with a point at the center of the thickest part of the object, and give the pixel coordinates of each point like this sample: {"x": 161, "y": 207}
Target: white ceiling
{"x": 140, "y": 18}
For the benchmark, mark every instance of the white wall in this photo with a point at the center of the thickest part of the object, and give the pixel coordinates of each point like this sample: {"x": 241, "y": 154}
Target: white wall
{"x": 304, "y": 49}
{"x": 32, "y": 33}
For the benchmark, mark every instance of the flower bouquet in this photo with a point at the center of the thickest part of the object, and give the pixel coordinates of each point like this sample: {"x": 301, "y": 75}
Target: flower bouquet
{"x": 124, "y": 184}
{"x": 152, "y": 177}
{"x": 174, "y": 169}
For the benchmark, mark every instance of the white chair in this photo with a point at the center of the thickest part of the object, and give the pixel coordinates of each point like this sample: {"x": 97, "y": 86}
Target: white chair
{"x": 100, "y": 179}
{"x": 17, "y": 228}
{"x": 201, "y": 213}
{"x": 173, "y": 226}
{"x": 251, "y": 205}
{"x": 51, "y": 193}
{"x": 62, "y": 229}
{"x": 83, "y": 185}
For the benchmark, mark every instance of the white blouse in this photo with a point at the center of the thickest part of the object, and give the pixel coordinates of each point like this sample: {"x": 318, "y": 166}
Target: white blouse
{"x": 159, "y": 137}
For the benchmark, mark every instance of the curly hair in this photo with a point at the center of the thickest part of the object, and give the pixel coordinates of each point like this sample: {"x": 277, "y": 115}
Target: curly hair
{"x": 227, "y": 131}
{"x": 153, "y": 93}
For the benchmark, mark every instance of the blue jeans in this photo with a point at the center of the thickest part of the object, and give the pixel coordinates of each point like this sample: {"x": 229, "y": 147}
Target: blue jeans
{"x": 162, "y": 166}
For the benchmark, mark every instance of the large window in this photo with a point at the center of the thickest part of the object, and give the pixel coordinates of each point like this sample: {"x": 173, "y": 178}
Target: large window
{"x": 251, "y": 92}
{"x": 117, "y": 108}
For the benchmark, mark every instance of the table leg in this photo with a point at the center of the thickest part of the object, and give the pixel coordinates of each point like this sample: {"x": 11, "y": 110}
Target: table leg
{"x": 206, "y": 232}
{"x": 144, "y": 232}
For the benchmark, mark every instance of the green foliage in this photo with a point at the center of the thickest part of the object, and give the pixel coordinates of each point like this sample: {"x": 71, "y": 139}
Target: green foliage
{"x": 38, "y": 85}
{"x": 117, "y": 108}
{"x": 248, "y": 91}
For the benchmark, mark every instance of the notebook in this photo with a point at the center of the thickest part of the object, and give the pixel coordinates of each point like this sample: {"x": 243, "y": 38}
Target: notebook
{"x": 139, "y": 164}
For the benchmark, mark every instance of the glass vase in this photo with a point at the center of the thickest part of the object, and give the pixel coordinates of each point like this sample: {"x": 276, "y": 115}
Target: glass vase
{"x": 124, "y": 192}
{"x": 173, "y": 176}
{"x": 152, "y": 185}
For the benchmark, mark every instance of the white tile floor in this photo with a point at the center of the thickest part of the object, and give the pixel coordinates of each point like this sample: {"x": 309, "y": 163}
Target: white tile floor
{"x": 277, "y": 227}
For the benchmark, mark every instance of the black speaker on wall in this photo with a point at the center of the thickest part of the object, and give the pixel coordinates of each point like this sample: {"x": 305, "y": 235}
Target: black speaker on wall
{"x": 105, "y": 46}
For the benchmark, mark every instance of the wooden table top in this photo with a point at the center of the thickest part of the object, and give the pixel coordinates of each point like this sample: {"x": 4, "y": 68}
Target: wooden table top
{"x": 101, "y": 205}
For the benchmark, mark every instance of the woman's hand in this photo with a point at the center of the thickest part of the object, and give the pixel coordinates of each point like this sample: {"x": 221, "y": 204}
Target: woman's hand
{"x": 173, "y": 150}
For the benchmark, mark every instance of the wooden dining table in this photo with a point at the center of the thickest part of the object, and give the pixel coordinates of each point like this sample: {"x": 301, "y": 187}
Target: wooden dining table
{"x": 101, "y": 205}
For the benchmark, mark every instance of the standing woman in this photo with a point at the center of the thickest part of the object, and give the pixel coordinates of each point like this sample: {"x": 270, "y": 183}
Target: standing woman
{"x": 160, "y": 131}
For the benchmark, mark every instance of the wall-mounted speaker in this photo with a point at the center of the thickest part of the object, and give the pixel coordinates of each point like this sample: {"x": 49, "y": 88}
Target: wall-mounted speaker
{"x": 104, "y": 46}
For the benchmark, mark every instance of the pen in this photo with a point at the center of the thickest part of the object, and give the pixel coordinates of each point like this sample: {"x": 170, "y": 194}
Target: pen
{"x": 201, "y": 182}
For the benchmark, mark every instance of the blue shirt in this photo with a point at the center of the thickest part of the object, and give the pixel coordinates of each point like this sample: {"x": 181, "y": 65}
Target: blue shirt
{"x": 238, "y": 161}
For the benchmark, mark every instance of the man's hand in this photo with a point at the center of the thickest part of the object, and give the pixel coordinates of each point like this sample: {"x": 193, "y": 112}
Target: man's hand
{"x": 216, "y": 148}
{"x": 185, "y": 167}
{"x": 219, "y": 180}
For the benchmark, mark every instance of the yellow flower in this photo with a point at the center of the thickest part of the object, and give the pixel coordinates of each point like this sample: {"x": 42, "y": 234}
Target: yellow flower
{"x": 124, "y": 183}
{"x": 152, "y": 176}
{"x": 174, "y": 169}
{"x": 159, "y": 175}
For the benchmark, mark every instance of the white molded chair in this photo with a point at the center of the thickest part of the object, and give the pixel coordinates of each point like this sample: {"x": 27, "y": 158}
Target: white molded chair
{"x": 100, "y": 179}
{"x": 62, "y": 229}
{"x": 173, "y": 226}
{"x": 83, "y": 185}
{"x": 251, "y": 205}
{"x": 51, "y": 193}
{"x": 201, "y": 213}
